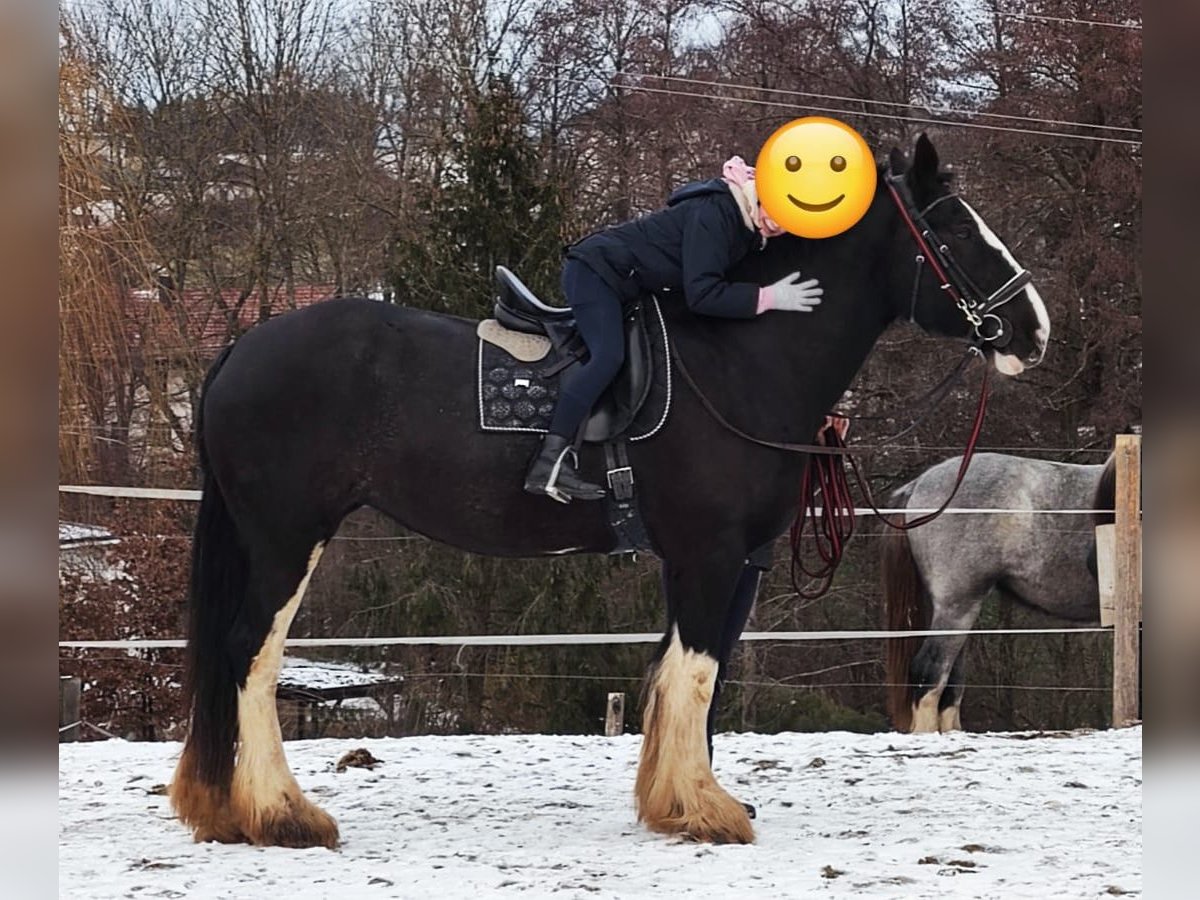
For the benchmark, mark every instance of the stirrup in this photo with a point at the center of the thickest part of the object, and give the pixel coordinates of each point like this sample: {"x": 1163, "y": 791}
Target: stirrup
{"x": 554, "y": 493}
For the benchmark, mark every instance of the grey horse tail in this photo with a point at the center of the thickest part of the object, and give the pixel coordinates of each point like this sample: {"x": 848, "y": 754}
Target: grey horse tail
{"x": 907, "y": 609}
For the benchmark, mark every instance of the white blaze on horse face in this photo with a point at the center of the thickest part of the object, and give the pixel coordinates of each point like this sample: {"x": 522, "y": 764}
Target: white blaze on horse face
{"x": 1007, "y": 364}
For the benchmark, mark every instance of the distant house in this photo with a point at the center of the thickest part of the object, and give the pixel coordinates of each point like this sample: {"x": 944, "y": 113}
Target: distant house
{"x": 179, "y": 332}
{"x": 172, "y": 323}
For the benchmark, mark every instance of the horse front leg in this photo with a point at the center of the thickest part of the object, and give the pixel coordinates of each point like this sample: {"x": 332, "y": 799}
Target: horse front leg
{"x": 744, "y": 595}
{"x": 676, "y": 790}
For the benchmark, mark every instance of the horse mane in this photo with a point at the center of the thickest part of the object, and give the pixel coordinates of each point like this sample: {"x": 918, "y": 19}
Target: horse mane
{"x": 1105, "y": 498}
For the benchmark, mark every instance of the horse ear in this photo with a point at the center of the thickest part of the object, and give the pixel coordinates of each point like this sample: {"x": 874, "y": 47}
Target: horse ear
{"x": 896, "y": 161}
{"x": 925, "y": 164}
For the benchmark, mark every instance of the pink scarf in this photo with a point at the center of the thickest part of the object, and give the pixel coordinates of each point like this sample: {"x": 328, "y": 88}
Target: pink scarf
{"x": 741, "y": 176}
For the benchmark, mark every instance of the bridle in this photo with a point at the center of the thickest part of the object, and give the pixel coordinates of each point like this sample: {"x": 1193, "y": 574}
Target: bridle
{"x": 832, "y": 523}
{"x": 978, "y": 308}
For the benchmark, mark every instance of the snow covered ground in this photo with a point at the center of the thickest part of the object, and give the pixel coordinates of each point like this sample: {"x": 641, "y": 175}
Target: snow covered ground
{"x": 884, "y": 815}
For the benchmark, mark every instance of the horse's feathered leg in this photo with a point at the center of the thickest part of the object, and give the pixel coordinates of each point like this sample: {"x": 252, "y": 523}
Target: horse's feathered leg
{"x": 233, "y": 782}
{"x": 267, "y": 803}
{"x": 676, "y": 790}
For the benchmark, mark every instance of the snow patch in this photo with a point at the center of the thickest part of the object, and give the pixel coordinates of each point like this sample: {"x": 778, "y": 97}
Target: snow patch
{"x": 309, "y": 674}
{"x": 885, "y": 815}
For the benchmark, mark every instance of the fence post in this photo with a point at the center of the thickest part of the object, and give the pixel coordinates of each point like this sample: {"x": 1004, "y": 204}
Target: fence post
{"x": 614, "y": 721}
{"x": 68, "y": 708}
{"x": 1128, "y": 581}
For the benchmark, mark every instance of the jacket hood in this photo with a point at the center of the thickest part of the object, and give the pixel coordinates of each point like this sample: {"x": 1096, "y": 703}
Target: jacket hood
{"x": 698, "y": 189}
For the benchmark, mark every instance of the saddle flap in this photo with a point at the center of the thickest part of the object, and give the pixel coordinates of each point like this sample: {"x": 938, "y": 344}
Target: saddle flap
{"x": 614, "y": 412}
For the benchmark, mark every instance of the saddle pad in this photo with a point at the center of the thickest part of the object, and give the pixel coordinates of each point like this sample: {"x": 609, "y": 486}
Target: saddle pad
{"x": 522, "y": 347}
{"x": 514, "y": 395}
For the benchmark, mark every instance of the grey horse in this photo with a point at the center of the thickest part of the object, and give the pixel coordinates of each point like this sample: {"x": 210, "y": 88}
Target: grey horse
{"x": 937, "y": 576}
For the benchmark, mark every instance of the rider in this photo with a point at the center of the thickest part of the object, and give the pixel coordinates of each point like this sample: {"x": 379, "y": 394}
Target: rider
{"x": 706, "y": 228}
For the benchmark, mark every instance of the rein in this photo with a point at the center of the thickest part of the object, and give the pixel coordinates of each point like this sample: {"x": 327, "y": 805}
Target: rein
{"x": 930, "y": 401}
{"x": 831, "y": 523}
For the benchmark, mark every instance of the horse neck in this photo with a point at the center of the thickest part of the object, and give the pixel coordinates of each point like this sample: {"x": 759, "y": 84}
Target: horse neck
{"x": 788, "y": 368}
{"x": 817, "y": 357}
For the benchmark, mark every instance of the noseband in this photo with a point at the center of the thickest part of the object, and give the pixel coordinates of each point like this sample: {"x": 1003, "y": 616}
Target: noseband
{"x": 978, "y": 308}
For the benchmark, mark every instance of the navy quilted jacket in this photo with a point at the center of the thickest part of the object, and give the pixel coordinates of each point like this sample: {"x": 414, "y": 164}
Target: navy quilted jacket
{"x": 688, "y": 246}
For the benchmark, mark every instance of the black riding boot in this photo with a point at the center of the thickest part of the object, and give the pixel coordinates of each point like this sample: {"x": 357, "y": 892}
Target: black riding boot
{"x": 553, "y": 473}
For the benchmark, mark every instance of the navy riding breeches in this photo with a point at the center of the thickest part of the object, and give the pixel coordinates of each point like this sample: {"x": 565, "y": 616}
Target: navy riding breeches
{"x": 598, "y": 314}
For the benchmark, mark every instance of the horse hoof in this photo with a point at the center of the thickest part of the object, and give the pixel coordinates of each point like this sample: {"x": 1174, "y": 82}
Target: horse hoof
{"x": 716, "y": 819}
{"x": 294, "y": 823}
{"x": 731, "y": 829}
{"x": 205, "y": 810}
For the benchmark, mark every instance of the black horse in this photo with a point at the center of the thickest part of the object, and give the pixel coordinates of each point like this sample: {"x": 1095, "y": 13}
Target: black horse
{"x": 354, "y": 403}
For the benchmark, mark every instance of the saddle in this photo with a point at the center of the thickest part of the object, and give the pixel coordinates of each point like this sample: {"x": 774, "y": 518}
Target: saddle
{"x": 529, "y": 349}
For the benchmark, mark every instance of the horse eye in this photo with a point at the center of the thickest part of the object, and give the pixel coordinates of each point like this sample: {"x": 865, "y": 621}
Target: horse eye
{"x": 837, "y": 164}
{"x": 963, "y": 232}
{"x": 793, "y": 163}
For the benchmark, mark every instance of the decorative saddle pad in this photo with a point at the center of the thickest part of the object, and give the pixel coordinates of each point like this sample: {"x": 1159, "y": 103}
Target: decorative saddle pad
{"x": 515, "y": 394}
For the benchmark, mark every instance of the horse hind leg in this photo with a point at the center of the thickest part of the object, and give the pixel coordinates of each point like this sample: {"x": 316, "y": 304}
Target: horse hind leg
{"x": 950, "y": 704}
{"x": 931, "y": 673}
{"x": 676, "y": 790}
{"x": 267, "y": 804}
{"x": 950, "y": 718}
{"x": 925, "y": 712}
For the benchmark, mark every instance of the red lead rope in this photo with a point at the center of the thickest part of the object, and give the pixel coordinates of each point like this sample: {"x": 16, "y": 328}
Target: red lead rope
{"x": 826, "y": 506}
{"x": 831, "y": 527}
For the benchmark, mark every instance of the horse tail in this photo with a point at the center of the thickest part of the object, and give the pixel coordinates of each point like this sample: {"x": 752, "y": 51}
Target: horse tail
{"x": 907, "y": 607}
{"x": 218, "y": 584}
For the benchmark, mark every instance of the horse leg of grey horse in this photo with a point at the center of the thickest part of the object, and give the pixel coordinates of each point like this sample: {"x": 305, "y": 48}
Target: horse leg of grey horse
{"x": 950, "y": 705}
{"x": 935, "y": 661}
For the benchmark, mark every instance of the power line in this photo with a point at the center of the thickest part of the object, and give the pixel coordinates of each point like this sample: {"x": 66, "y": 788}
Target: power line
{"x": 864, "y": 114}
{"x": 1067, "y": 20}
{"x": 841, "y": 98}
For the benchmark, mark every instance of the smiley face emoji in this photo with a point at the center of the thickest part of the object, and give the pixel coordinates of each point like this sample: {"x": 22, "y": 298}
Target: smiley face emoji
{"x": 815, "y": 177}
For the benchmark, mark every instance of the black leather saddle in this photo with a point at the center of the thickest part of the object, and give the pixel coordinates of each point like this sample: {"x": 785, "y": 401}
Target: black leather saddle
{"x": 519, "y": 309}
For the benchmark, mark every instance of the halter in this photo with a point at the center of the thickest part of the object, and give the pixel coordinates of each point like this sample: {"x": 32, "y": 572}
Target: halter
{"x": 978, "y": 308}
